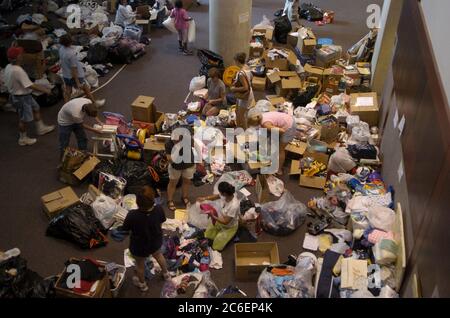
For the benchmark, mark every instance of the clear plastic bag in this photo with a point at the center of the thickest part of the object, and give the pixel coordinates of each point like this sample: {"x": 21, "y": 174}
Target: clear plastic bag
{"x": 265, "y": 23}
{"x": 284, "y": 216}
{"x": 197, "y": 83}
{"x": 238, "y": 179}
{"x": 196, "y": 217}
{"x": 105, "y": 208}
{"x": 262, "y": 106}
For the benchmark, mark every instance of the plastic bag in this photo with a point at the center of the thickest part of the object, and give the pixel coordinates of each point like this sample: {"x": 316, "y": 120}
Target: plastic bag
{"x": 25, "y": 283}
{"x": 204, "y": 287}
{"x": 238, "y": 179}
{"x": 381, "y": 218}
{"x": 91, "y": 75}
{"x": 197, "y": 83}
{"x": 78, "y": 224}
{"x": 341, "y": 161}
{"x": 196, "y": 217}
{"x": 110, "y": 185}
{"x": 192, "y": 32}
{"x": 276, "y": 186}
{"x": 284, "y": 216}
{"x": 105, "y": 209}
{"x": 262, "y": 106}
{"x": 169, "y": 24}
{"x": 112, "y": 31}
{"x": 264, "y": 24}
{"x": 360, "y": 133}
{"x": 136, "y": 174}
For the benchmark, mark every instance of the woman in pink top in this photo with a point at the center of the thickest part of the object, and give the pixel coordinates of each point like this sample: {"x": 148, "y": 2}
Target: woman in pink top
{"x": 182, "y": 25}
{"x": 282, "y": 122}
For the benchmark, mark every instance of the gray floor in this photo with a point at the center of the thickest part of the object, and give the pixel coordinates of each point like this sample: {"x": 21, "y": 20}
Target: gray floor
{"x": 29, "y": 172}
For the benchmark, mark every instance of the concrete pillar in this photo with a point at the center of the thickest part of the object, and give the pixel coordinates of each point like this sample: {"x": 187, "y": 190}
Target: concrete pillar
{"x": 385, "y": 45}
{"x": 229, "y": 27}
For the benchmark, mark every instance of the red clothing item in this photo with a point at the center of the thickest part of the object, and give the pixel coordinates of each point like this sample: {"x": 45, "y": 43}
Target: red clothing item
{"x": 209, "y": 209}
{"x": 181, "y": 19}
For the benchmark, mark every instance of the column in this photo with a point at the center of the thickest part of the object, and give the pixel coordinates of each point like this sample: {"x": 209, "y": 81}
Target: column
{"x": 229, "y": 27}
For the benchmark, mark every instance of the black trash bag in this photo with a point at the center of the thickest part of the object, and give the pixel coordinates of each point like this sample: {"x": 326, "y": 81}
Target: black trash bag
{"x": 106, "y": 166}
{"x": 304, "y": 98}
{"x": 97, "y": 54}
{"x": 278, "y": 13}
{"x": 136, "y": 173}
{"x": 310, "y": 12}
{"x": 78, "y": 224}
{"x": 284, "y": 216}
{"x": 25, "y": 284}
{"x": 81, "y": 39}
{"x": 282, "y": 28}
{"x": 121, "y": 54}
{"x": 363, "y": 151}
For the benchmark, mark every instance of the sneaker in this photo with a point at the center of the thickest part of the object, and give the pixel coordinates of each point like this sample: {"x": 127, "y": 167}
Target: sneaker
{"x": 187, "y": 52}
{"x": 45, "y": 130}
{"x": 100, "y": 102}
{"x": 26, "y": 141}
{"x": 142, "y": 286}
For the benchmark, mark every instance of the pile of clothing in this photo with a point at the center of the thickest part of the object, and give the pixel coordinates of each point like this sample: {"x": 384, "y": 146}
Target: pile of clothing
{"x": 194, "y": 285}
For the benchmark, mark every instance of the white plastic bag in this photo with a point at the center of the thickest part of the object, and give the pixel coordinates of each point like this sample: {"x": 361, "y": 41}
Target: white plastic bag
{"x": 192, "y": 32}
{"x": 169, "y": 24}
{"x": 197, "y": 83}
{"x": 276, "y": 186}
{"x": 196, "y": 217}
{"x": 264, "y": 24}
{"x": 105, "y": 208}
{"x": 381, "y": 218}
{"x": 91, "y": 75}
{"x": 262, "y": 106}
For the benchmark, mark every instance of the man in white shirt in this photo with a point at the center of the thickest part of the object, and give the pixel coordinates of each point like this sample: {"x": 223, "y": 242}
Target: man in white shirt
{"x": 71, "y": 119}
{"x": 124, "y": 15}
{"x": 20, "y": 88}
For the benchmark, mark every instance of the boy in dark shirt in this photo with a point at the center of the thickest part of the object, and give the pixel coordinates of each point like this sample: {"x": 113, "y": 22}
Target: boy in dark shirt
{"x": 146, "y": 234}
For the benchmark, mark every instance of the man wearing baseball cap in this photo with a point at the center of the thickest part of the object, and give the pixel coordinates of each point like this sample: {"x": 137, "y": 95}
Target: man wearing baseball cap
{"x": 20, "y": 88}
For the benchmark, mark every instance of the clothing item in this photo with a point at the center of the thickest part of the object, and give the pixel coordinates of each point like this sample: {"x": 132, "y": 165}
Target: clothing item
{"x": 246, "y": 103}
{"x": 72, "y": 112}
{"x": 146, "y": 233}
{"x": 220, "y": 235}
{"x": 216, "y": 91}
{"x": 175, "y": 174}
{"x": 230, "y": 209}
{"x": 68, "y": 59}
{"x": 177, "y": 157}
{"x": 182, "y": 37}
{"x": 181, "y": 19}
{"x": 124, "y": 15}
{"x": 325, "y": 287}
{"x": 280, "y": 120}
{"x": 17, "y": 81}
{"x": 25, "y": 105}
{"x": 65, "y": 133}
{"x": 71, "y": 82}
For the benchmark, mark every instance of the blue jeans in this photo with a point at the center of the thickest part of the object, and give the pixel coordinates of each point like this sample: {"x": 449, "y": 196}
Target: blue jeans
{"x": 64, "y": 136}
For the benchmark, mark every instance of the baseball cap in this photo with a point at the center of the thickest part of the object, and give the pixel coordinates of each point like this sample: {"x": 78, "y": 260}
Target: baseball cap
{"x": 14, "y": 52}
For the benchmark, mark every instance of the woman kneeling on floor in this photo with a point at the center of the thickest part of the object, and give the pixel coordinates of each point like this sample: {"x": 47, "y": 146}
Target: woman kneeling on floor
{"x": 224, "y": 225}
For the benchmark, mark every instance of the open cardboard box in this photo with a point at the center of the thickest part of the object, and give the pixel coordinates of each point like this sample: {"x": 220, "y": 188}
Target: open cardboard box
{"x": 57, "y": 201}
{"x": 259, "y": 83}
{"x": 267, "y": 35}
{"x": 315, "y": 182}
{"x": 143, "y": 109}
{"x": 314, "y": 71}
{"x": 284, "y": 81}
{"x": 86, "y": 168}
{"x": 281, "y": 63}
{"x": 297, "y": 149}
{"x": 252, "y": 258}
{"x": 307, "y": 45}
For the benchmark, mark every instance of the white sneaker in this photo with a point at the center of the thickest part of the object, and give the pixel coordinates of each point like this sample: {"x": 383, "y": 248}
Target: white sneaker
{"x": 45, "y": 130}
{"x": 100, "y": 102}
{"x": 26, "y": 141}
{"x": 142, "y": 286}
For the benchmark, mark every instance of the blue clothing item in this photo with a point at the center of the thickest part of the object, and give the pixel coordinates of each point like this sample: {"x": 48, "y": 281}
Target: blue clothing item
{"x": 64, "y": 136}
{"x": 25, "y": 105}
{"x": 118, "y": 235}
{"x": 71, "y": 82}
{"x": 69, "y": 59}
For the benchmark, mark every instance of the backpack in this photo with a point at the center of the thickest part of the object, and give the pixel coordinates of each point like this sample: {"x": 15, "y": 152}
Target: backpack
{"x": 282, "y": 28}
{"x": 97, "y": 54}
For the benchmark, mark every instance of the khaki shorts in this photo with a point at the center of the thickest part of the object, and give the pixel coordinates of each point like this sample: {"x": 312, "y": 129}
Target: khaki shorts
{"x": 186, "y": 173}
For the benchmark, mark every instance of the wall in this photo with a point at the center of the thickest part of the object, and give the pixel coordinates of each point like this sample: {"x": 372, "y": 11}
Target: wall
{"x": 438, "y": 24}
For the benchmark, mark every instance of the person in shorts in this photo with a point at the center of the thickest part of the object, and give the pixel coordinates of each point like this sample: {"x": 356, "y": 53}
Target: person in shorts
{"x": 180, "y": 166}
{"x": 242, "y": 85}
{"x": 73, "y": 72}
{"x": 146, "y": 235}
{"x": 20, "y": 88}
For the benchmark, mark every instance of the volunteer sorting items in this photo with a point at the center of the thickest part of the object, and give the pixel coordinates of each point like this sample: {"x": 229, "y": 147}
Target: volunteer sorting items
{"x": 73, "y": 72}
{"x": 20, "y": 88}
{"x": 71, "y": 119}
{"x": 216, "y": 94}
{"x": 146, "y": 234}
{"x": 124, "y": 15}
{"x": 224, "y": 225}
{"x": 242, "y": 89}
{"x": 282, "y": 122}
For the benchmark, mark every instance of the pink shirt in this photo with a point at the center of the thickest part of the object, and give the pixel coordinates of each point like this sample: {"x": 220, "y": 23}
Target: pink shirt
{"x": 280, "y": 120}
{"x": 181, "y": 19}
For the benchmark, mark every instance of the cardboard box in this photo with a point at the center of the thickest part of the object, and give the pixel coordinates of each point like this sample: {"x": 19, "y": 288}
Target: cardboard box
{"x": 314, "y": 71}
{"x": 256, "y": 52}
{"x": 292, "y": 39}
{"x": 275, "y": 100}
{"x": 259, "y": 83}
{"x": 329, "y": 133}
{"x": 287, "y": 85}
{"x": 328, "y": 55}
{"x": 57, "y": 201}
{"x": 266, "y": 34}
{"x": 86, "y": 168}
{"x": 142, "y": 109}
{"x": 308, "y": 44}
{"x": 281, "y": 63}
{"x": 152, "y": 128}
{"x": 295, "y": 168}
{"x": 300, "y": 149}
{"x": 153, "y": 145}
{"x": 262, "y": 189}
{"x": 315, "y": 182}
{"x": 252, "y": 258}
{"x": 94, "y": 192}
{"x": 365, "y": 105}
